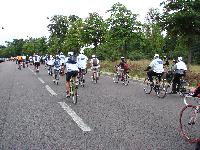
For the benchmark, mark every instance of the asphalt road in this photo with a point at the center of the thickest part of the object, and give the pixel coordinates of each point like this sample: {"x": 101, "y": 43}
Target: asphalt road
{"x": 34, "y": 114}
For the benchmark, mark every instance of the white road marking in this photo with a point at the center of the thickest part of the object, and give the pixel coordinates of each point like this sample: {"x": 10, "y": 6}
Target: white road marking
{"x": 30, "y": 69}
{"x": 50, "y": 90}
{"x": 41, "y": 80}
{"x": 75, "y": 117}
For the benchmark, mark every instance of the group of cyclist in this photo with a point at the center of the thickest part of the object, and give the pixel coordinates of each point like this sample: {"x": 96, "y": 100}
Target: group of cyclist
{"x": 158, "y": 68}
{"x": 71, "y": 65}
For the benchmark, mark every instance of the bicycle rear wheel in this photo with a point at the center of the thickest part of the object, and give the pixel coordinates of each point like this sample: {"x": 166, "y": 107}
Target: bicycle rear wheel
{"x": 75, "y": 96}
{"x": 147, "y": 86}
{"x": 189, "y": 124}
{"x": 161, "y": 92}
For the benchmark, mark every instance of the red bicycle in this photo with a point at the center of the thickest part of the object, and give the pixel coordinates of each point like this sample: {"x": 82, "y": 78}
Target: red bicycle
{"x": 189, "y": 122}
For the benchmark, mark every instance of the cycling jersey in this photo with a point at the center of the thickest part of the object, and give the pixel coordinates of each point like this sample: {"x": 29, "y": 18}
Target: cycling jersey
{"x": 82, "y": 61}
{"x": 19, "y": 57}
{"x": 157, "y": 65}
{"x": 71, "y": 64}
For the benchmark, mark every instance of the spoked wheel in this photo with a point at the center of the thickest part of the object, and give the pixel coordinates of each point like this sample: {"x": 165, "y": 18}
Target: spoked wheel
{"x": 94, "y": 77}
{"x": 168, "y": 88}
{"x": 147, "y": 86}
{"x": 190, "y": 123}
{"x": 126, "y": 81}
{"x": 75, "y": 96}
{"x": 161, "y": 92}
{"x": 116, "y": 78}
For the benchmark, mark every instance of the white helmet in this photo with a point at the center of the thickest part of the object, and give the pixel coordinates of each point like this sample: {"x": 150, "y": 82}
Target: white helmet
{"x": 61, "y": 53}
{"x": 82, "y": 51}
{"x": 93, "y": 56}
{"x": 180, "y": 58}
{"x": 156, "y": 56}
{"x": 70, "y": 53}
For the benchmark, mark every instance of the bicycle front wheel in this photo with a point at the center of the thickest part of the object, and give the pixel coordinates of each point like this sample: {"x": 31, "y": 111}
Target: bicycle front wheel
{"x": 147, "y": 86}
{"x": 189, "y": 124}
{"x": 161, "y": 92}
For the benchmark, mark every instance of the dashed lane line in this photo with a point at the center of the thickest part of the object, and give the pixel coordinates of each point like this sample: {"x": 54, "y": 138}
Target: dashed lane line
{"x": 75, "y": 117}
{"x": 41, "y": 80}
{"x": 50, "y": 90}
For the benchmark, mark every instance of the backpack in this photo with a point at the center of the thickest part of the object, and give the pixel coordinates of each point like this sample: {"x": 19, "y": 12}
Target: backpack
{"x": 57, "y": 63}
{"x": 126, "y": 66}
{"x": 94, "y": 62}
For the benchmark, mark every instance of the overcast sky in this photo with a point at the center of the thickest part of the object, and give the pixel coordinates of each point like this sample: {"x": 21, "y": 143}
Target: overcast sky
{"x": 22, "y": 18}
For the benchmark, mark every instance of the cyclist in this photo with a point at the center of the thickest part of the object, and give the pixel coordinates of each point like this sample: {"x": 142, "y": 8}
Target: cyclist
{"x": 82, "y": 63}
{"x": 180, "y": 71}
{"x": 156, "y": 69}
{"x": 94, "y": 65}
{"x": 122, "y": 67}
{"x": 19, "y": 58}
{"x": 62, "y": 62}
{"x": 71, "y": 71}
{"x": 50, "y": 62}
{"x": 56, "y": 65}
{"x": 37, "y": 61}
{"x": 23, "y": 60}
{"x": 31, "y": 60}
{"x": 27, "y": 60}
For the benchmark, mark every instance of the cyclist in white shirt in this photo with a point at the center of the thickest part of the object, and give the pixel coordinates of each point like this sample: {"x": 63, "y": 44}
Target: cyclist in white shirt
{"x": 37, "y": 62}
{"x": 180, "y": 71}
{"x": 50, "y": 62}
{"x": 62, "y": 62}
{"x": 71, "y": 71}
{"x": 82, "y": 62}
{"x": 156, "y": 68}
{"x": 94, "y": 65}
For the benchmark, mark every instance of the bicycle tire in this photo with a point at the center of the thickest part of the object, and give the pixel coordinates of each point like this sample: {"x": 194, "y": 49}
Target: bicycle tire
{"x": 75, "y": 96}
{"x": 116, "y": 78}
{"x": 126, "y": 81}
{"x": 147, "y": 87}
{"x": 161, "y": 93}
{"x": 190, "y": 132}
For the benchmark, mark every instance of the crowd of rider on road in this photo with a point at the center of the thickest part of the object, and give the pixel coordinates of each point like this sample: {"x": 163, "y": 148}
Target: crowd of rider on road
{"x": 73, "y": 66}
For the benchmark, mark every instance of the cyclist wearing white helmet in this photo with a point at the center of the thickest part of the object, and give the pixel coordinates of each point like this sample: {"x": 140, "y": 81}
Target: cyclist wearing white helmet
{"x": 156, "y": 68}
{"x": 82, "y": 62}
{"x": 180, "y": 71}
{"x": 94, "y": 64}
{"x": 56, "y": 65}
{"x": 71, "y": 71}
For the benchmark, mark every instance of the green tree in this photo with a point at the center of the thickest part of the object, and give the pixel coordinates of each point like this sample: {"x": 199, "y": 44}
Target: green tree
{"x": 181, "y": 18}
{"x": 94, "y": 30}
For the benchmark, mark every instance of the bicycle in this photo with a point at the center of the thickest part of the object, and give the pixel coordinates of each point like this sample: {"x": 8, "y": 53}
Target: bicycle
{"x": 73, "y": 90}
{"x": 57, "y": 75}
{"x": 81, "y": 77}
{"x": 159, "y": 88}
{"x": 189, "y": 124}
{"x": 183, "y": 87}
{"x": 95, "y": 75}
{"x": 120, "y": 75}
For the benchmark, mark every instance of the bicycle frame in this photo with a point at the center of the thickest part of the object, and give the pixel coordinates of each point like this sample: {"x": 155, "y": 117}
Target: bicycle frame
{"x": 73, "y": 90}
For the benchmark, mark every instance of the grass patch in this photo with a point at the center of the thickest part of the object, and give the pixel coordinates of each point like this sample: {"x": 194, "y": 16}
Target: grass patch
{"x": 137, "y": 69}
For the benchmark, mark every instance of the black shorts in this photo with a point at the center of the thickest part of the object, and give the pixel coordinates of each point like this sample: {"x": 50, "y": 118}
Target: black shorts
{"x": 71, "y": 74}
{"x": 37, "y": 63}
{"x": 19, "y": 61}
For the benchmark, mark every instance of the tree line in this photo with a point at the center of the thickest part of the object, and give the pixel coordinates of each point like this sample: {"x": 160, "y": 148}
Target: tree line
{"x": 172, "y": 33}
